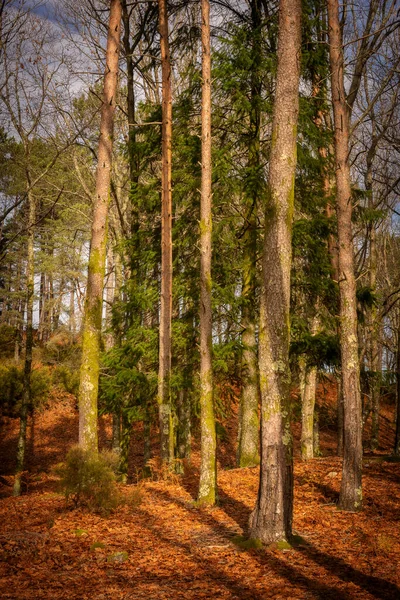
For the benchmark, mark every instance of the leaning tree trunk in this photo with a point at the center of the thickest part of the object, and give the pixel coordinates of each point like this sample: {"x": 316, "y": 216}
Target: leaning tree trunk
{"x": 89, "y": 374}
{"x": 164, "y": 372}
{"x": 351, "y": 490}
{"x": 271, "y": 519}
{"x": 26, "y": 393}
{"x": 248, "y": 447}
{"x": 208, "y": 469}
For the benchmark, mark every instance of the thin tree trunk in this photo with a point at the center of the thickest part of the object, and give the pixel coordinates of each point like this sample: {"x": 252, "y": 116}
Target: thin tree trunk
{"x": 116, "y": 432}
{"x": 18, "y": 312}
{"x": 248, "y": 448}
{"x": 374, "y": 354}
{"x": 184, "y": 422}
{"x": 26, "y": 394}
{"x": 396, "y": 449}
{"x": 89, "y": 374}
{"x": 351, "y": 490}
{"x": 42, "y": 307}
{"x": 208, "y": 468}
{"x": 164, "y": 372}
{"x": 125, "y": 442}
{"x": 72, "y": 321}
{"x": 308, "y": 392}
{"x": 271, "y": 519}
{"x": 110, "y": 289}
{"x": 147, "y": 436}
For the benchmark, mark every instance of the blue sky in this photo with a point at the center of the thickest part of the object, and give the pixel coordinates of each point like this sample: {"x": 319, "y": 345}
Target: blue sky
{"x": 42, "y": 8}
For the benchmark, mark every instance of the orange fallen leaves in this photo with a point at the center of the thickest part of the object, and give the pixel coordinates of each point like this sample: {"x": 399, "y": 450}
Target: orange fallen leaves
{"x": 168, "y": 548}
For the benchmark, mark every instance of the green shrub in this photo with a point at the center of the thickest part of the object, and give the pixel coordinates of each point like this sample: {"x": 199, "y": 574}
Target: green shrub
{"x": 11, "y": 388}
{"x": 88, "y": 480}
{"x": 40, "y": 387}
{"x": 8, "y": 335}
{"x": 67, "y": 379}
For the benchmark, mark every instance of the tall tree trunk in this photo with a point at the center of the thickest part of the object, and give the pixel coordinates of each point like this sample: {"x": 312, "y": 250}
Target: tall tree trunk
{"x": 248, "y": 453}
{"x": 26, "y": 394}
{"x": 164, "y": 372}
{"x": 351, "y": 490}
{"x": 42, "y": 306}
{"x": 396, "y": 449}
{"x": 18, "y": 311}
{"x": 373, "y": 329}
{"x": 308, "y": 391}
{"x": 184, "y": 422}
{"x": 271, "y": 519}
{"x": 208, "y": 468}
{"x": 89, "y": 374}
{"x": 71, "y": 316}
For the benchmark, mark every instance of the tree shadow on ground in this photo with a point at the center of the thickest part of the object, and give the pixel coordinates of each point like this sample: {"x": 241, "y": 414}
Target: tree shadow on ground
{"x": 239, "y": 512}
{"x": 268, "y": 561}
{"x": 240, "y": 590}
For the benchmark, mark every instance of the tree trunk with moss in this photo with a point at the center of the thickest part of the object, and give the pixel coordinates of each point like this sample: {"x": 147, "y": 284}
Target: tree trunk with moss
{"x": 89, "y": 373}
{"x": 308, "y": 387}
{"x": 351, "y": 490}
{"x": 248, "y": 453}
{"x": 271, "y": 519}
{"x": 164, "y": 372}
{"x": 26, "y": 393}
{"x": 208, "y": 468}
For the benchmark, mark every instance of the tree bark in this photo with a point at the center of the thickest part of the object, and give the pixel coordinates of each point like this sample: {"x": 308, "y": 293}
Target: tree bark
{"x": 271, "y": 519}
{"x": 374, "y": 353}
{"x": 164, "y": 372}
{"x": 396, "y": 449}
{"x": 248, "y": 448}
{"x": 208, "y": 468}
{"x": 26, "y": 393}
{"x": 308, "y": 388}
{"x": 89, "y": 374}
{"x": 351, "y": 490}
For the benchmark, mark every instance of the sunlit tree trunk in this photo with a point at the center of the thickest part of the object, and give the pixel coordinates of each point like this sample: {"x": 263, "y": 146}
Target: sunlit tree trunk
{"x": 208, "y": 469}
{"x": 89, "y": 374}
{"x": 308, "y": 392}
{"x": 351, "y": 490}
{"x": 271, "y": 520}
{"x": 164, "y": 373}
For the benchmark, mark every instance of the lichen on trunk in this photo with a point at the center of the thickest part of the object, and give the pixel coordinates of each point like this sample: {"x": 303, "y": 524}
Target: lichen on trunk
{"x": 90, "y": 365}
{"x": 271, "y": 519}
{"x": 208, "y": 471}
{"x": 351, "y": 491}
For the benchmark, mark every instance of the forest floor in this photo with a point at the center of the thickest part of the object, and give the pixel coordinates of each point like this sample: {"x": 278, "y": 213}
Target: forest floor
{"x": 163, "y": 546}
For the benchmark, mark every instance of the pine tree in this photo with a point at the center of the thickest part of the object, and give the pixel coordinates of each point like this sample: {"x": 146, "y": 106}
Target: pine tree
{"x": 271, "y": 520}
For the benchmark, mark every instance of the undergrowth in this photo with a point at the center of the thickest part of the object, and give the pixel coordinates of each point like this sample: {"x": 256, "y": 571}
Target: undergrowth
{"x": 89, "y": 480}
